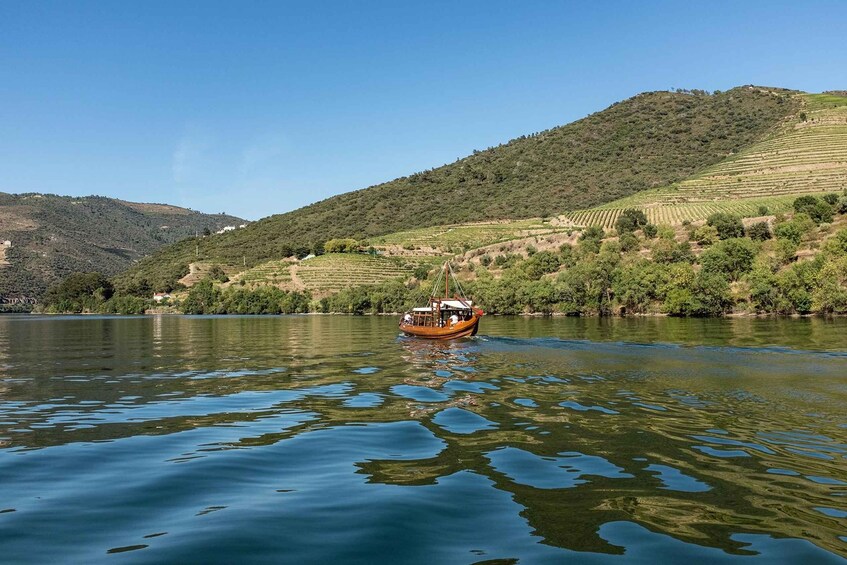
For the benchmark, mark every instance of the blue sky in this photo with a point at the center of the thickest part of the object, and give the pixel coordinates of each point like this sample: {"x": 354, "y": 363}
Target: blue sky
{"x": 255, "y": 108}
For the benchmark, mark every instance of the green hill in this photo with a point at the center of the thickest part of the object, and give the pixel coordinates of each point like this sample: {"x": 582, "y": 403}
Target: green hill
{"x": 53, "y": 236}
{"x": 651, "y": 140}
{"x": 807, "y": 155}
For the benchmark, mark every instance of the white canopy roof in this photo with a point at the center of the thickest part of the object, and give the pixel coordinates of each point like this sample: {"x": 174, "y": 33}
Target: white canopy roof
{"x": 448, "y": 304}
{"x": 456, "y": 304}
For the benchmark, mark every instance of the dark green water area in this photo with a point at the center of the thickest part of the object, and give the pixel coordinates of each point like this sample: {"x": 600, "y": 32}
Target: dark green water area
{"x": 330, "y": 439}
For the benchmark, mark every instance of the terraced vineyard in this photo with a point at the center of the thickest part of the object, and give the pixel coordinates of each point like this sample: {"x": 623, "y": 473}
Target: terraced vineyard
{"x": 276, "y": 273}
{"x": 333, "y": 272}
{"x": 669, "y": 213}
{"x": 468, "y": 236}
{"x": 808, "y": 155}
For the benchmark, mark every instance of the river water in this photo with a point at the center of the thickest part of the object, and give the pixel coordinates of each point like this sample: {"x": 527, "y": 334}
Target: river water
{"x": 316, "y": 439}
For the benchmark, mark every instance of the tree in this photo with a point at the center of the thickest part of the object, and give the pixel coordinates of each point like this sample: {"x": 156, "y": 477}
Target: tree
{"x": 345, "y": 245}
{"x": 540, "y": 264}
{"x": 216, "y": 273}
{"x": 728, "y": 226}
{"x": 830, "y": 293}
{"x": 760, "y": 231}
{"x": 203, "y": 298}
{"x": 818, "y": 210}
{"x": 79, "y": 292}
{"x": 636, "y": 284}
{"x": 589, "y": 241}
{"x": 794, "y": 229}
{"x": 707, "y": 295}
{"x": 630, "y": 220}
{"x": 764, "y": 294}
{"x": 706, "y": 235}
{"x": 731, "y": 257}
{"x": 830, "y": 198}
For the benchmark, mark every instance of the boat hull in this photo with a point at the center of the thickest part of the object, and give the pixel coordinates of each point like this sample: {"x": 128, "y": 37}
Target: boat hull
{"x": 462, "y": 329}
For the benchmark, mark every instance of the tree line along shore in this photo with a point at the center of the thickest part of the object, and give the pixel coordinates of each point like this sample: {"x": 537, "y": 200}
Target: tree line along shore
{"x": 793, "y": 264}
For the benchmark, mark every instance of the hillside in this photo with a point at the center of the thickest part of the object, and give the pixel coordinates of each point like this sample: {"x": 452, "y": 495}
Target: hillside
{"x": 651, "y": 140}
{"x": 53, "y": 236}
{"x": 806, "y": 155}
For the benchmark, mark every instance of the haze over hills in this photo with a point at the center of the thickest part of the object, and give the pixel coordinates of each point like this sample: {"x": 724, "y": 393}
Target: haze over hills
{"x": 52, "y": 236}
{"x": 649, "y": 141}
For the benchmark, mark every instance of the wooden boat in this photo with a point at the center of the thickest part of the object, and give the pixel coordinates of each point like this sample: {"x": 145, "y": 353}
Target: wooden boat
{"x": 445, "y": 317}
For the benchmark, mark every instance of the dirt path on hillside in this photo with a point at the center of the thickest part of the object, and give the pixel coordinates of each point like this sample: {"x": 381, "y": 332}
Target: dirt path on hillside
{"x": 196, "y": 271}
{"x": 296, "y": 281}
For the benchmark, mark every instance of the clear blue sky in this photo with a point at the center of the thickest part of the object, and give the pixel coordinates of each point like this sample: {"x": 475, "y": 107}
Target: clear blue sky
{"x": 256, "y": 108}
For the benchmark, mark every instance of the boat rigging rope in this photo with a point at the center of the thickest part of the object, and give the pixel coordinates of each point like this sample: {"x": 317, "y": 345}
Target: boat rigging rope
{"x": 456, "y": 280}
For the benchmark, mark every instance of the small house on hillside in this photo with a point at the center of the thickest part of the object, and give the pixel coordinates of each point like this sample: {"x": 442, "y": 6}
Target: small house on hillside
{"x": 159, "y": 296}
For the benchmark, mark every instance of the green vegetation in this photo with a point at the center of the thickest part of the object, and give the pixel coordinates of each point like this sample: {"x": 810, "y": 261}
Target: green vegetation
{"x": 797, "y": 268}
{"x": 651, "y": 140}
{"x": 804, "y": 155}
{"x": 598, "y": 276}
{"x": 54, "y": 236}
{"x": 726, "y": 225}
{"x": 206, "y": 298}
{"x": 654, "y": 167}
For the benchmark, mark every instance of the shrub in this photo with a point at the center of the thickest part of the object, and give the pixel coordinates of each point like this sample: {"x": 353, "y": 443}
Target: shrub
{"x": 650, "y": 230}
{"x": 216, "y": 273}
{"x": 422, "y": 271}
{"x": 629, "y": 241}
{"x": 665, "y": 231}
{"x": 763, "y": 210}
{"x": 706, "y": 235}
{"x": 728, "y": 226}
{"x": 831, "y": 198}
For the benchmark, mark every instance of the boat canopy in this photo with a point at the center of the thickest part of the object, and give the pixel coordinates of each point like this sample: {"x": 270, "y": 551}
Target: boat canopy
{"x": 457, "y": 304}
{"x": 448, "y": 305}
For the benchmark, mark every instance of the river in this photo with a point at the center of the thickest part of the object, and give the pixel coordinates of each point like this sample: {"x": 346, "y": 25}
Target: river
{"x": 316, "y": 439}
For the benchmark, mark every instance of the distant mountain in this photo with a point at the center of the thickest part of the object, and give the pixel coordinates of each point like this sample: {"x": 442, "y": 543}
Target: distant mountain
{"x": 651, "y": 140}
{"x": 52, "y": 236}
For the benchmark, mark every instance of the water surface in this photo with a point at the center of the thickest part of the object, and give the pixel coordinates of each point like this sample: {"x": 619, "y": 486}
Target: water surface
{"x": 330, "y": 438}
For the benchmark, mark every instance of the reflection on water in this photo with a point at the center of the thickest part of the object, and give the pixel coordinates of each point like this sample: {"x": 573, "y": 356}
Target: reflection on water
{"x": 315, "y": 438}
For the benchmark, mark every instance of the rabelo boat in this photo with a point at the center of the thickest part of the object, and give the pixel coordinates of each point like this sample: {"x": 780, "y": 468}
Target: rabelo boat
{"x": 445, "y": 317}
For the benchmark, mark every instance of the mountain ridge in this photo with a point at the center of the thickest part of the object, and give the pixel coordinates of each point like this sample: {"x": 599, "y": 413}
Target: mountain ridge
{"x": 52, "y": 236}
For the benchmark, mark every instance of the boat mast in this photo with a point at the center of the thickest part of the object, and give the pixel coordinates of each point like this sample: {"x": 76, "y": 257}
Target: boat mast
{"x": 446, "y": 280}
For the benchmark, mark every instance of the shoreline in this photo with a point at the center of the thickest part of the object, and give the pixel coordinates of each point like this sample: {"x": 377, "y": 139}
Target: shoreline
{"x": 652, "y": 315}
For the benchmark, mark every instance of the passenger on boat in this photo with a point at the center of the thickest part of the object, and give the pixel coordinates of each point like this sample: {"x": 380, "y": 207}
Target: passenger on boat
{"x": 454, "y": 319}
{"x": 407, "y": 319}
